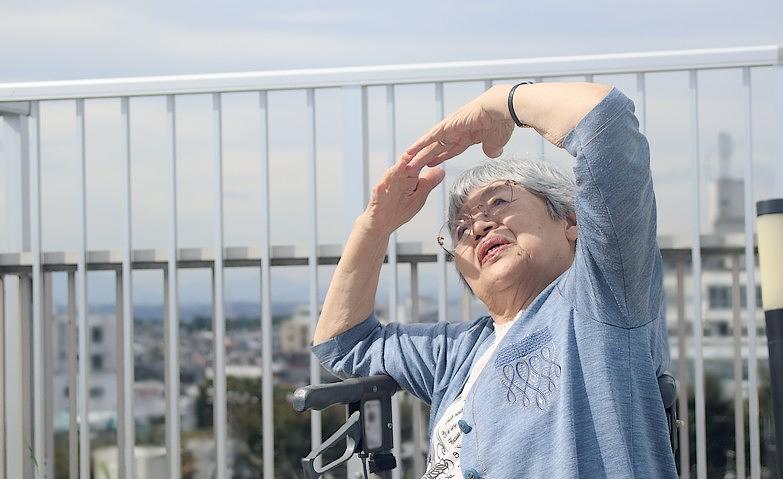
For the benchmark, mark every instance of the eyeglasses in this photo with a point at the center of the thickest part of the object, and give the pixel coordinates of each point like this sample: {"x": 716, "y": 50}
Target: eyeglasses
{"x": 455, "y": 236}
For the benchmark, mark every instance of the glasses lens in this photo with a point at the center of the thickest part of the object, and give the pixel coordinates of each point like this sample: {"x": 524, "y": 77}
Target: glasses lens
{"x": 491, "y": 204}
{"x": 496, "y": 199}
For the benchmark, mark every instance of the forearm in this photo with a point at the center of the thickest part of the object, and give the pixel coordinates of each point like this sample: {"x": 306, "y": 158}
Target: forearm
{"x": 351, "y": 295}
{"x": 554, "y": 109}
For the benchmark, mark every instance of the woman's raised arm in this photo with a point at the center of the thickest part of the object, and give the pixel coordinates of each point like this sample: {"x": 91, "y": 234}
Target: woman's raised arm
{"x": 552, "y": 109}
{"x": 394, "y": 201}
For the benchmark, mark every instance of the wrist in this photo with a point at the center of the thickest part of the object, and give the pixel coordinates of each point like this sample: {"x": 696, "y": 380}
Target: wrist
{"x": 368, "y": 224}
{"x": 512, "y": 105}
{"x": 497, "y": 107}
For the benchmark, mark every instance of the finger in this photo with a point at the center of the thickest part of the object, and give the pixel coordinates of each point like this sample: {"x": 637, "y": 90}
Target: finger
{"x": 429, "y": 180}
{"x": 409, "y": 185}
{"x": 425, "y": 155}
{"x": 491, "y": 150}
{"x": 426, "y": 139}
{"x": 453, "y": 151}
{"x": 404, "y": 159}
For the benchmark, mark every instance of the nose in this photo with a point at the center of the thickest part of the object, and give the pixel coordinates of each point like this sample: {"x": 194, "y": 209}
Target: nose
{"x": 482, "y": 226}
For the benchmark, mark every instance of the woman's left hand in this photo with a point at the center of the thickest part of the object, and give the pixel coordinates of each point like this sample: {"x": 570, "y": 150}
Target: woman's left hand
{"x": 484, "y": 120}
{"x": 399, "y": 195}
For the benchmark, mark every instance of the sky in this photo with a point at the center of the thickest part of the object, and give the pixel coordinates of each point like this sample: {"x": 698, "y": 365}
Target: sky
{"x": 45, "y": 41}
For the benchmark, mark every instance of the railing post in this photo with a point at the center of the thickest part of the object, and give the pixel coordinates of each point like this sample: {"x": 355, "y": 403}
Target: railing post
{"x": 441, "y": 201}
{"x": 391, "y": 263}
{"x": 355, "y": 154}
{"x": 218, "y": 288}
{"x": 14, "y": 160}
{"x": 750, "y": 283}
{"x": 37, "y": 337}
{"x": 126, "y": 433}
{"x": 267, "y": 409}
{"x": 48, "y": 370}
{"x": 171, "y": 300}
{"x": 419, "y": 434}
{"x": 2, "y": 377}
{"x": 83, "y": 339}
{"x": 25, "y": 375}
{"x": 683, "y": 370}
{"x": 73, "y": 407}
{"x": 698, "y": 351}
{"x": 312, "y": 260}
{"x": 739, "y": 400}
{"x": 356, "y": 175}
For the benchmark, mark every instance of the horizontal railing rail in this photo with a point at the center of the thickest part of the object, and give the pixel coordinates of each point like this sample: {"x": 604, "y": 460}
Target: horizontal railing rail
{"x": 664, "y": 61}
{"x": 280, "y": 255}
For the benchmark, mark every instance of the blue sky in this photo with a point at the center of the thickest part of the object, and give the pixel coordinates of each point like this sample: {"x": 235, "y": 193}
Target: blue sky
{"x": 57, "y": 41}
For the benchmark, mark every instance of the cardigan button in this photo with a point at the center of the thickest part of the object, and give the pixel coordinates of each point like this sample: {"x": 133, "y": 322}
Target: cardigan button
{"x": 464, "y": 426}
{"x": 471, "y": 474}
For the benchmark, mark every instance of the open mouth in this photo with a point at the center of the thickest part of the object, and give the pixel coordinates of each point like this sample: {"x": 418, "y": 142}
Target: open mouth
{"x": 492, "y": 247}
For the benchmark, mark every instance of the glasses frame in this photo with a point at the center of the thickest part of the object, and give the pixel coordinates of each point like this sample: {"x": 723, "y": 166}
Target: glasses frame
{"x": 471, "y": 214}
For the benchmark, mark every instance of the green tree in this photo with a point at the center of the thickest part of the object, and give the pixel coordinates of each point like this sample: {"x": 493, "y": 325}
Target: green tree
{"x": 291, "y": 429}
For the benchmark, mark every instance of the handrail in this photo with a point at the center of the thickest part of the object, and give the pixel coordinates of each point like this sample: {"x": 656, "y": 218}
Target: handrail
{"x": 614, "y": 63}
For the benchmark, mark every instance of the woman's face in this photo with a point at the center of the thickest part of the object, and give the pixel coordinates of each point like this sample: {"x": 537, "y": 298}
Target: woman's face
{"x": 520, "y": 244}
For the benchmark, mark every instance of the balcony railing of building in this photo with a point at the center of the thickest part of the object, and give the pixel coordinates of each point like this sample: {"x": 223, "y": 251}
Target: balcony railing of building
{"x": 26, "y": 448}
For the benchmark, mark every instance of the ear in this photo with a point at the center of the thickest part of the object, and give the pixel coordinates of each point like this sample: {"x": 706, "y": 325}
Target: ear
{"x": 572, "y": 230}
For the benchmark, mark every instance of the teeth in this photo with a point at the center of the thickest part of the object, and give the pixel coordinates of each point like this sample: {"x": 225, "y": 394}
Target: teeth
{"x": 491, "y": 248}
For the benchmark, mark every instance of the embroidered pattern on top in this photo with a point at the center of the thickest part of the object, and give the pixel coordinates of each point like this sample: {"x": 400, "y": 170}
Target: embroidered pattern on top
{"x": 529, "y": 371}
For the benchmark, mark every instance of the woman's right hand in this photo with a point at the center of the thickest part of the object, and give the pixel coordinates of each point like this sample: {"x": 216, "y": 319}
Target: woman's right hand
{"x": 399, "y": 196}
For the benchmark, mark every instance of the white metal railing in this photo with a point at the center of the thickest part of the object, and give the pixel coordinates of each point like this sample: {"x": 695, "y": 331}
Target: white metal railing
{"x": 20, "y": 107}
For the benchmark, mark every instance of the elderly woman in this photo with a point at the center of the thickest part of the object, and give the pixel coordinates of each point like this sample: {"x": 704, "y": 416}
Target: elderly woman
{"x": 560, "y": 379}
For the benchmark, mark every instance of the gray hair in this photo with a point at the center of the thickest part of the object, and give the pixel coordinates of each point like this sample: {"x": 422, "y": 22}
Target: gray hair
{"x": 557, "y": 189}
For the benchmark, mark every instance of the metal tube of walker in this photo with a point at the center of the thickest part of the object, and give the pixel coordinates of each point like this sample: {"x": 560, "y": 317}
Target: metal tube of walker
{"x": 769, "y": 223}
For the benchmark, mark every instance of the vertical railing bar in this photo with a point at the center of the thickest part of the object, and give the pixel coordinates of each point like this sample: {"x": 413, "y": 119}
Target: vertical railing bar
{"x": 219, "y": 318}
{"x": 541, "y": 139}
{"x": 81, "y": 285}
{"x": 391, "y": 159}
{"x": 487, "y": 84}
{"x": 2, "y": 375}
{"x": 683, "y": 370}
{"x": 121, "y": 405}
{"x": 750, "y": 282}
{"x": 698, "y": 359}
{"x": 418, "y": 419}
{"x": 24, "y": 321}
{"x": 168, "y": 380}
{"x": 39, "y": 430}
{"x": 171, "y": 297}
{"x": 126, "y": 431}
{"x": 312, "y": 259}
{"x": 73, "y": 438}
{"x": 739, "y": 402}
{"x": 589, "y": 78}
{"x": 48, "y": 324}
{"x": 355, "y": 159}
{"x": 267, "y": 419}
{"x": 641, "y": 102}
{"x": 441, "y": 212}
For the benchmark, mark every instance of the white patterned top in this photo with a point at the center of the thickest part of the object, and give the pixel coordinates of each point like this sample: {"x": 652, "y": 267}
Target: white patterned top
{"x": 446, "y": 443}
